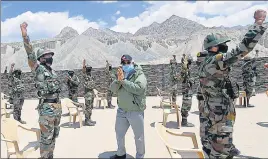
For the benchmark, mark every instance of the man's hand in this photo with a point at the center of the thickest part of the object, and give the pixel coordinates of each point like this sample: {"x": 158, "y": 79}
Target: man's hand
{"x": 259, "y": 16}
{"x": 23, "y": 28}
{"x": 266, "y": 65}
{"x": 84, "y": 62}
{"x": 120, "y": 74}
{"x": 12, "y": 65}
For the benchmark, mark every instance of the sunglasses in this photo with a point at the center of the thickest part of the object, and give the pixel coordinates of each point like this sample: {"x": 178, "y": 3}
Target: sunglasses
{"x": 125, "y": 62}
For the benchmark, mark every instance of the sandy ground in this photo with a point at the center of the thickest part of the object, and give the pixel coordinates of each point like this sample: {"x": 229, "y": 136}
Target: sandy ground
{"x": 250, "y": 134}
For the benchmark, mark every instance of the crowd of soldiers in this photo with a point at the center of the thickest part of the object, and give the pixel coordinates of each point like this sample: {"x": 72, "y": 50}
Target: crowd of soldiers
{"x": 216, "y": 91}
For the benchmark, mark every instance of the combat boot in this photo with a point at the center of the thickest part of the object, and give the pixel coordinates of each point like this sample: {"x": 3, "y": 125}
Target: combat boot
{"x": 233, "y": 152}
{"x": 249, "y": 105}
{"x": 88, "y": 122}
{"x": 118, "y": 157}
{"x": 110, "y": 105}
{"x": 22, "y": 122}
{"x": 185, "y": 123}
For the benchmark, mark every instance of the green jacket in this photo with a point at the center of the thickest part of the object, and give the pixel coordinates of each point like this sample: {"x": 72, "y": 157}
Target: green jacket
{"x": 131, "y": 92}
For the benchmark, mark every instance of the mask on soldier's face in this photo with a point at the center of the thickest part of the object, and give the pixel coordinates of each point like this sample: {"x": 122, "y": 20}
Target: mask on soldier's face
{"x": 49, "y": 61}
{"x": 88, "y": 70}
{"x": 110, "y": 68}
{"x": 223, "y": 48}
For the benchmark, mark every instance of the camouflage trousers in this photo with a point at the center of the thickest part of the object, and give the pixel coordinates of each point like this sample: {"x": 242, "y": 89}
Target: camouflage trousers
{"x": 219, "y": 112}
{"x": 89, "y": 99}
{"x": 173, "y": 91}
{"x": 109, "y": 96}
{"x": 186, "y": 100}
{"x": 49, "y": 126}
{"x": 203, "y": 121}
{"x": 18, "y": 103}
{"x": 73, "y": 93}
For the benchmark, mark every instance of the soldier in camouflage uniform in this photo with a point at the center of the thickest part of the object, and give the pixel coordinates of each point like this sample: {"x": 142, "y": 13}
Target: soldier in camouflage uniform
{"x": 17, "y": 90}
{"x": 73, "y": 83}
{"x": 186, "y": 91}
{"x": 173, "y": 78}
{"x": 48, "y": 86}
{"x": 110, "y": 77}
{"x": 249, "y": 78}
{"x": 217, "y": 90}
{"x": 10, "y": 100}
{"x": 89, "y": 94}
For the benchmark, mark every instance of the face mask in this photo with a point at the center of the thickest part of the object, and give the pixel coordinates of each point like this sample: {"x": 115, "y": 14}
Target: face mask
{"x": 49, "y": 60}
{"x": 110, "y": 68}
{"x": 223, "y": 48}
{"x": 88, "y": 70}
{"x": 128, "y": 68}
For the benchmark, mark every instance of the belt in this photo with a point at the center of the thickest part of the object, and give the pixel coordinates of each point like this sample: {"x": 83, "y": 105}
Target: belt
{"x": 51, "y": 100}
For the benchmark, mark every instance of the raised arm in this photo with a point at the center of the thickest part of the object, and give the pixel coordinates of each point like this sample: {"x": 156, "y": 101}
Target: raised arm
{"x": 249, "y": 41}
{"x": 32, "y": 61}
{"x": 11, "y": 71}
{"x": 84, "y": 66}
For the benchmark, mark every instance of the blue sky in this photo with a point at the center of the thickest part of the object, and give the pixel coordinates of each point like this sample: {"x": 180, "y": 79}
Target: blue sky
{"x": 91, "y": 10}
{"x": 47, "y": 18}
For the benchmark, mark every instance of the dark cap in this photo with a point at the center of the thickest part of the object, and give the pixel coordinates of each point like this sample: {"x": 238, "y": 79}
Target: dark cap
{"x": 126, "y": 58}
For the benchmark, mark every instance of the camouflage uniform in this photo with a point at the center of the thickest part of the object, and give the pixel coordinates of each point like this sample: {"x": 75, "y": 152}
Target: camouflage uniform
{"x": 203, "y": 120}
{"x": 186, "y": 91}
{"x": 10, "y": 80}
{"x": 73, "y": 83}
{"x": 89, "y": 97}
{"x": 17, "y": 90}
{"x": 49, "y": 107}
{"x": 173, "y": 79}
{"x": 110, "y": 78}
{"x": 219, "y": 107}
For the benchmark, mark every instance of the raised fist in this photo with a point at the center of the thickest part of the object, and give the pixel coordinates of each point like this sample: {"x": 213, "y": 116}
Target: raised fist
{"x": 259, "y": 16}
{"x": 266, "y": 65}
{"x": 13, "y": 64}
{"x": 23, "y": 28}
{"x": 120, "y": 74}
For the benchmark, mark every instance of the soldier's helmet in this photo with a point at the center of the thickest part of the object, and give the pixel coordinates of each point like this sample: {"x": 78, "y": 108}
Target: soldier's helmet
{"x": 43, "y": 51}
{"x": 214, "y": 39}
{"x": 17, "y": 72}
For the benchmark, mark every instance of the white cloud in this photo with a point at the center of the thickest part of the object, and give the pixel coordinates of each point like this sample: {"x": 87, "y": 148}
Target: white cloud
{"x": 44, "y": 24}
{"x": 105, "y": 2}
{"x": 117, "y": 12}
{"x": 226, "y": 13}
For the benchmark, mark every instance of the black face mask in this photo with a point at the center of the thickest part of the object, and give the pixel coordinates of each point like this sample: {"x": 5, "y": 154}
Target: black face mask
{"x": 223, "y": 48}
{"x": 49, "y": 60}
{"x": 110, "y": 68}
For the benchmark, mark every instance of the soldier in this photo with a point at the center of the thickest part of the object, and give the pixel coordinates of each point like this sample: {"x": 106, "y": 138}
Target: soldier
{"x": 89, "y": 94}
{"x": 110, "y": 77}
{"x": 186, "y": 91}
{"x": 248, "y": 74}
{"x": 173, "y": 78}
{"x": 217, "y": 90}
{"x": 254, "y": 68}
{"x": 48, "y": 86}
{"x": 73, "y": 83}
{"x": 17, "y": 90}
{"x": 10, "y": 80}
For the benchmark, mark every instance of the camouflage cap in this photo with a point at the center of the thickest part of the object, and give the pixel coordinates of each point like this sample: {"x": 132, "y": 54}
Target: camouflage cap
{"x": 16, "y": 71}
{"x": 43, "y": 51}
{"x": 214, "y": 39}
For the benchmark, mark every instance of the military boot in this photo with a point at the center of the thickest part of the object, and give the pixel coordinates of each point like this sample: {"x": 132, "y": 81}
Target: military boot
{"x": 245, "y": 103}
{"x": 118, "y": 157}
{"x": 185, "y": 123}
{"x": 88, "y": 122}
{"x": 110, "y": 105}
{"x": 249, "y": 105}
{"x": 22, "y": 122}
{"x": 233, "y": 152}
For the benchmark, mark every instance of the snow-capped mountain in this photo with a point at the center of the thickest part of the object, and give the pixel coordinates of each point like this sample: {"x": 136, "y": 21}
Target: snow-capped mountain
{"x": 153, "y": 44}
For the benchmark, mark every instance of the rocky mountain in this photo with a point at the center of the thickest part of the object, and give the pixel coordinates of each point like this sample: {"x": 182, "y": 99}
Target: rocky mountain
{"x": 153, "y": 44}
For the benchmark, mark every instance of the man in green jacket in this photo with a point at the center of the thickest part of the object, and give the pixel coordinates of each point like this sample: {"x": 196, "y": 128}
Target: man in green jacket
{"x": 130, "y": 87}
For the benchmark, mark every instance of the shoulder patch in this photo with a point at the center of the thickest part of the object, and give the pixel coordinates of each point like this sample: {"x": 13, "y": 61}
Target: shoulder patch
{"x": 219, "y": 57}
{"x": 198, "y": 54}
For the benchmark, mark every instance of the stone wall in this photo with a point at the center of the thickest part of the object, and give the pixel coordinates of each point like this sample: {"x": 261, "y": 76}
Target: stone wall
{"x": 157, "y": 75}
